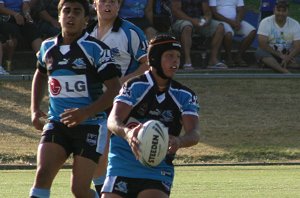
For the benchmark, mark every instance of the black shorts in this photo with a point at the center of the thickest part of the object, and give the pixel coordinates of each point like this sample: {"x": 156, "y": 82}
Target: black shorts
{"x": 131, "y": 187}
{"x": 79, "y": 140}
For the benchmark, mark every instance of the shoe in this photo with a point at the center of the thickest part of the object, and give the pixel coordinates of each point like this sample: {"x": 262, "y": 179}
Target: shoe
{"x": 188, "y": 67}
{"x": 219, "y": 65}
{"x": 3, "y": 71}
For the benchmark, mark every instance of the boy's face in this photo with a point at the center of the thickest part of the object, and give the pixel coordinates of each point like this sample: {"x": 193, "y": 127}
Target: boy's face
{"x": 107, "y": 9}
{"x": 170, "y": 61}
{"x": 72, "y": 19}
{"x": 280, "y": 13}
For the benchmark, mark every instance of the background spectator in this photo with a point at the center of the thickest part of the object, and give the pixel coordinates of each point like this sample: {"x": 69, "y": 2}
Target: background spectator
{"x": 2, "y": 70}
{"x": 188, "y": 14}
{"x": 279, "y": 40}
{"x": 20, "y": 22}
{"x": 46, "y": 16}
{"x": 162, "y": 15}
{"x": 231, "y": 14}
{"x": 139, "y": 13}
{"x": 8, "y": 46}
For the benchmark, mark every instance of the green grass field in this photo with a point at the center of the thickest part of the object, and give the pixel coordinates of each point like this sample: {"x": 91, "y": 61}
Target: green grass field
{"x": 190, "y": 182}
{"x": 242, "y": 120}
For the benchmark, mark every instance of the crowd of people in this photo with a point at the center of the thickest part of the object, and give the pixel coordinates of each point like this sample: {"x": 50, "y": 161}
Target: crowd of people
{"x": 29, "y": 22}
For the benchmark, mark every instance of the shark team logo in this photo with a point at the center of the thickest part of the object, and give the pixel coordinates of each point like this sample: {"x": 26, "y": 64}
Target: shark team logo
{"x": 54, "y": 86}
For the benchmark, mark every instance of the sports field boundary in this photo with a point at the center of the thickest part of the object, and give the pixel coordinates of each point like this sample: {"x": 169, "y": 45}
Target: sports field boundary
{"x": 28, "y": 77}
{"x": 32, "y": 167}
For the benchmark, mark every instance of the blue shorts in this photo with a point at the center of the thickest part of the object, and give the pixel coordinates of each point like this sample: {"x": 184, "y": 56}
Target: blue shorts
{"x": 130, "y": 187}
{"x": 79, "y": 140}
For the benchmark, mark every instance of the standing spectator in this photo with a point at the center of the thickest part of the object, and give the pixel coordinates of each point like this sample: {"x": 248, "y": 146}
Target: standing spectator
{"x": 231, "y": 14}
{"x": 76, "y": 67}
{"x": 129, "y": 49}
{"x": 266, "y": 8}
{"x": 20, "y": 22}
{"x": 139, "y": 13}
{"x": 188, "y": 14}
{"x": 279, "y": 39}
{"x": 47, "y": 17}
{"x": 153, "y": 95}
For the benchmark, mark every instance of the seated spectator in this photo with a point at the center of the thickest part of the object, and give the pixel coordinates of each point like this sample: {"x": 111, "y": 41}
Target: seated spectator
{"x": 231, "y": 14}
{"x": 279, "y": 40}
{"x": 188, "y": 14}
{"x": 162, "y": 15}
{"x": 139, "y": 13}
{"x": 20, "y": 22}
{"x": 266, "y": 8}
{"x": 46, "y": 17}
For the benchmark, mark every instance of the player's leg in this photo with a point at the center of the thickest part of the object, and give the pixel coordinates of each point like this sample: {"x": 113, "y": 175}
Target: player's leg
{"x": 50, "y": 158}
{"x": 100, "y": 173}
{"x": 82, "y": 174}
{"x": 51, "y": 155}
{"x": 84, "y": 144}
{"x": 152, "y": 193}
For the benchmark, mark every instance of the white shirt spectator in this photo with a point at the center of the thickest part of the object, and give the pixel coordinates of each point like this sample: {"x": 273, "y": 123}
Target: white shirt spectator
{"x": 227, "y": 8}
{"x": 280, "y": 38}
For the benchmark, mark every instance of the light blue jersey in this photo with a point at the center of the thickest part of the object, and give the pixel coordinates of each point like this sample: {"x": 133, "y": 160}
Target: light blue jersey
{"x": 128, "y": 44}
{"x": 148, "y": 103}
{"x": 76, "y": 73}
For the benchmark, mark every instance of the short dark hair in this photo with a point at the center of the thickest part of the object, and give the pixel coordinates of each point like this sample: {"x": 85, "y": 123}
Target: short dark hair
{"x": 85, "y": 4}
{"x": 282, "y": 3}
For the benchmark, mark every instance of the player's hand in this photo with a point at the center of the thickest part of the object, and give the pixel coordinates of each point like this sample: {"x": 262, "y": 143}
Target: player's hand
{"x": 36, "y": 120}
{"x": 73, "y": 117}
{"x": 131, "y": 137}
{"x": 174, "y": 144}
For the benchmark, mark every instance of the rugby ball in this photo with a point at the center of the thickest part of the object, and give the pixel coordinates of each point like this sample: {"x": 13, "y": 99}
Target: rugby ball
{"x": 154, "y": 143}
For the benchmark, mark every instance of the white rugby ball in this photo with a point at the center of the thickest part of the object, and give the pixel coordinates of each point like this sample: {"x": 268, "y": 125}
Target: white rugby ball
{"x": 154, "y": 143}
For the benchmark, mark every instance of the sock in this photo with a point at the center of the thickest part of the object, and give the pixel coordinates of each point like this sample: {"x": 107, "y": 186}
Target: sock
{"x": 98, "y": 182}
{"x": 39, "y": 193}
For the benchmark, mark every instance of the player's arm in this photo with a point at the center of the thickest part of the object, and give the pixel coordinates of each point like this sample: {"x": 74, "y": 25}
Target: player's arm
{"x": 38, "y": 88}
{"x": 73, "y": 117}
{"x": 115, "y": 123}
{"x": 191, "y": 136}
{"x": 141, "y": 69}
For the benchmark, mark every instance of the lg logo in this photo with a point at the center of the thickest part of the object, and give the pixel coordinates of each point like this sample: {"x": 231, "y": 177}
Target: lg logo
{"x": 57, "y": 87}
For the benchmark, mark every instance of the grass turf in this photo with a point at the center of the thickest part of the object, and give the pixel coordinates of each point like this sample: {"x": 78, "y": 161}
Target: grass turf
{"x": 190, "y": 182}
